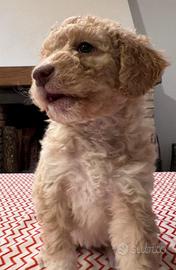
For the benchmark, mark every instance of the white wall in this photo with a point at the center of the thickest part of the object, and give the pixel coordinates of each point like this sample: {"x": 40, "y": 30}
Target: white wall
{"x": 24, "y": 23}
{"x": 158, "y": 20}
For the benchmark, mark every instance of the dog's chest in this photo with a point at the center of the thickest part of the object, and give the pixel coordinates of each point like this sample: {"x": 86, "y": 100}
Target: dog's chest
{"x": 88, "y": 187}
{"x": 88, "y": 196}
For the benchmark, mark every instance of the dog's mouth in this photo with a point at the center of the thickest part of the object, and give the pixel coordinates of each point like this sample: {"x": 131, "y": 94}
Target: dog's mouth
{"x": 61, "y": 101}
{"x": 54, "y": 97}
{"x": 51, "y": 98}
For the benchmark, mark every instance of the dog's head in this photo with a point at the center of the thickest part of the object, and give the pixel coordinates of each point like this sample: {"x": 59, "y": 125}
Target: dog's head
{"x": 90, "y": 66}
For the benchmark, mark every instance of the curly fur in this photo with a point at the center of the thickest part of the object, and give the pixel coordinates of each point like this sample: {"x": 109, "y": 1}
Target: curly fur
{"x": 94, "y": 177}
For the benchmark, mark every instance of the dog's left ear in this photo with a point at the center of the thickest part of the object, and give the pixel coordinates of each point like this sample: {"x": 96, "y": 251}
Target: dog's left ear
{"x": 141, "y": 67}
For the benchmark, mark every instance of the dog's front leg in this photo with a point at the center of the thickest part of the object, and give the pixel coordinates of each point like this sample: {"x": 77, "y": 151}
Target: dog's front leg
{"x": 132, "y": 229}
{"x": 58, "y": 251}
{"x": 54, "y": 215}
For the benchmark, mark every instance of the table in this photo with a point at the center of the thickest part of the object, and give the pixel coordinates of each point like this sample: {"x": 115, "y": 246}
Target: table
{"x": 20, "y": 232}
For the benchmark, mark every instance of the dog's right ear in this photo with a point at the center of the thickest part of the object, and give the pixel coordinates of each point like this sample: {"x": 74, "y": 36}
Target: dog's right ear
{"x": 141, "y": 67}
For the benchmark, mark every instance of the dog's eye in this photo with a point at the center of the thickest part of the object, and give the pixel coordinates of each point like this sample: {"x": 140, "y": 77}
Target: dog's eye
{"x": 85, "y": 47}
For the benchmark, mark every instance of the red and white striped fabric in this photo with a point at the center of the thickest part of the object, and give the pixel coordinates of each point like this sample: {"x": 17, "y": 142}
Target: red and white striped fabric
{"x": 20, "y": 233}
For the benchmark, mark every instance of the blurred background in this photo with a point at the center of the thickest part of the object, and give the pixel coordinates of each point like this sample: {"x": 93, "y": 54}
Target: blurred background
{"x": 24, "y": 25}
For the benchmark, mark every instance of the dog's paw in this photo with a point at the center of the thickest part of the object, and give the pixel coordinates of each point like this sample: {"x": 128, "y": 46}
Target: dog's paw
{"x": 67, "y": 263}
{"x": 111, "y": 258}
{"x": 60, "y": 265}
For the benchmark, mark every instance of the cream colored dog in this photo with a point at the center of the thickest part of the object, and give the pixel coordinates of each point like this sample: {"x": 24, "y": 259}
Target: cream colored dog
{"x": 94, "y": 177}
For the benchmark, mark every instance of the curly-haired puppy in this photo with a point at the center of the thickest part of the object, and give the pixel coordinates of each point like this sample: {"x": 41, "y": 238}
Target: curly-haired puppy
{"x": 94, "y": 178}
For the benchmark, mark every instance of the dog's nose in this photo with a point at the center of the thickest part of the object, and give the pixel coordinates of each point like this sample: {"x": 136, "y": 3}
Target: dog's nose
{"x": 43, "y": 74}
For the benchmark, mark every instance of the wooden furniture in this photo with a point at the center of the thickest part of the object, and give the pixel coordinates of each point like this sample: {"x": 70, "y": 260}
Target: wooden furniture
{"x": 21, "y": 124}
{"x": 13, "y": 81}
{"x": 10, "y": 76}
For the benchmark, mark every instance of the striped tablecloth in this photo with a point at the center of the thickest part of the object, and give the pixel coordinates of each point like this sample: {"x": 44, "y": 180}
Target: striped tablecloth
{"x": 20, "y": 233}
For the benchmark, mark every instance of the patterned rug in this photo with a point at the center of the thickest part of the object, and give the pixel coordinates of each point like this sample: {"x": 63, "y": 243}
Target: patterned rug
{"x": 19, "y": 231}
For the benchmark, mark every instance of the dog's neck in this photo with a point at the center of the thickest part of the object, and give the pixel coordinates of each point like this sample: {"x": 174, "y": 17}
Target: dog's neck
{"x": 109, "y": 135}
{"x": 109, "y": 128}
